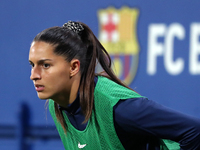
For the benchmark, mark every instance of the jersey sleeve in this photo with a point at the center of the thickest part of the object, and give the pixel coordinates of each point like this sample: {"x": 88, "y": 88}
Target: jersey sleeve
{"x": 143, "y": 116}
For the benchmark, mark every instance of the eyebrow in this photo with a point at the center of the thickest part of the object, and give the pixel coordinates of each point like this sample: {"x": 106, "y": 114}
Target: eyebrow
{"x": 41, "y": 61}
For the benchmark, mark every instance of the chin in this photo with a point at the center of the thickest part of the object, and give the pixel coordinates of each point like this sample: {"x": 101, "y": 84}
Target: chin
{"x": 42, "y": 96}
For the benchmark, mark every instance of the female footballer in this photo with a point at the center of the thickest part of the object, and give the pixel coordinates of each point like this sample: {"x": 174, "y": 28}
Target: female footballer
{"x": 97, "y": 111}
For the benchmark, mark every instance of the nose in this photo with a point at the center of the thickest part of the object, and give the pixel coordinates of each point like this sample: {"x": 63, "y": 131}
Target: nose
{"x": 35, "y": 74}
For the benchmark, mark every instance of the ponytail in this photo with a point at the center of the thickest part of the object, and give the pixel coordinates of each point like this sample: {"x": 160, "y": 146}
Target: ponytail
{"x": 95, "y": 52}
{"x": 87, "y": 77}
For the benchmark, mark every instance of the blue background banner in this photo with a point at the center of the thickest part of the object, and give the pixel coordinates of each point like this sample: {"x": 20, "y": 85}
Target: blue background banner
{"x": 168, "y": 33}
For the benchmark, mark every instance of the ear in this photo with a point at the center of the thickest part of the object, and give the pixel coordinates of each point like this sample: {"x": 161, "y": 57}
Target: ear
{"x": 74, "y": 67}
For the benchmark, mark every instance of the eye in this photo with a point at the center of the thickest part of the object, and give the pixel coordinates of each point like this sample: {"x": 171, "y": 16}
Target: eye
{"x": 31, "y": 64}
{"x": 46, "y": 66}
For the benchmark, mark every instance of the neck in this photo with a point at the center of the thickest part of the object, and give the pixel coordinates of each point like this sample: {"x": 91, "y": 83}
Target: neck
{"x": 68, "y": 97}
{"x": 74, "y": 90}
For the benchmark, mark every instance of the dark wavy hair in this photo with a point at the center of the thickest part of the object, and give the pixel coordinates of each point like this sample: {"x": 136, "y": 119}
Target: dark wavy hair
{"x": 85, "y": 47}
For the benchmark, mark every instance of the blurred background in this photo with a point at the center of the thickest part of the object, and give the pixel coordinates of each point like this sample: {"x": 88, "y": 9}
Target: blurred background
{"x": 155, "y": 47}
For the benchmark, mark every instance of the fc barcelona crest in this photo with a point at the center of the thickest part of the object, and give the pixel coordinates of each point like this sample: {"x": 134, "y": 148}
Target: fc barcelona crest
{"x": 117, "y": 33}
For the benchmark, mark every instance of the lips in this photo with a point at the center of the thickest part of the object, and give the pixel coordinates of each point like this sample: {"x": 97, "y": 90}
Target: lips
{"x": 39, "y": 88}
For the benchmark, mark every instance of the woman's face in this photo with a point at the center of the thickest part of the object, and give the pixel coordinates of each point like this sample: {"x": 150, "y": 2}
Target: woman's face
{"x": 50, "y": 72}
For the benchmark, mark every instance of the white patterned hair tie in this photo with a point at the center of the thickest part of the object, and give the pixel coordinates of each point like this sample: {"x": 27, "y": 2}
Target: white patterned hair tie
{"x": 74, "y": 26}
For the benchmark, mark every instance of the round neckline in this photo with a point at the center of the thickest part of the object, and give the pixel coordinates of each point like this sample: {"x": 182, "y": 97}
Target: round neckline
{"x": 72, "y": 127}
